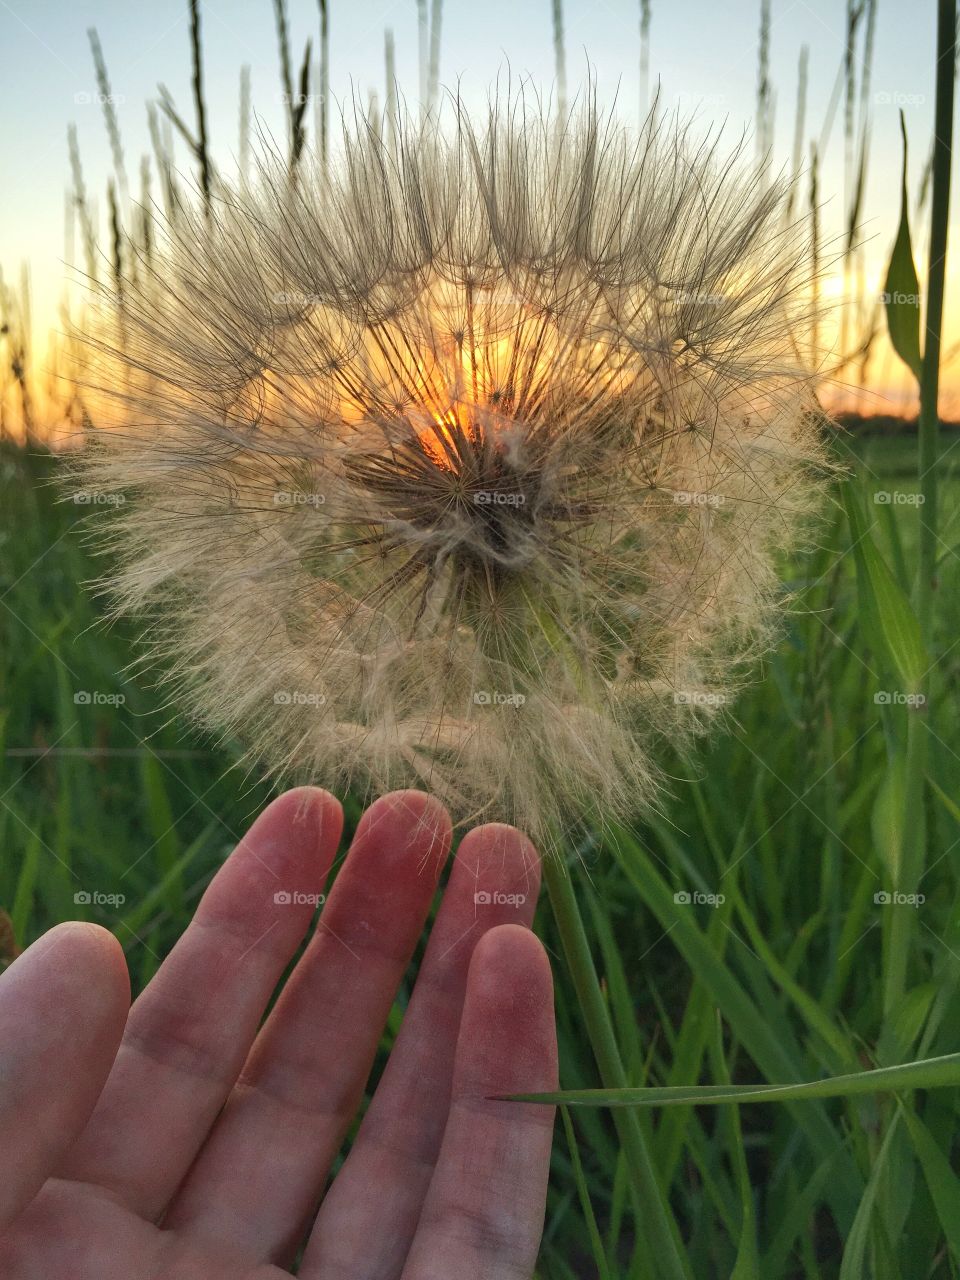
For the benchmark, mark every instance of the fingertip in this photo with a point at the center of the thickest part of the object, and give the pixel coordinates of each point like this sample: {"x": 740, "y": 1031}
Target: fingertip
{"x": 299, "y": 827}
{"x": 498, "y": 848}
{"x": 74, "y": 974}
{"x": 311, "y": 807}
{"x": 507, "y": 951}
{"x": 500, "y": 837}
{"x": 77, "y": 947}
{"x": 508, "y": 1039}
{"x": 417, "y": 817}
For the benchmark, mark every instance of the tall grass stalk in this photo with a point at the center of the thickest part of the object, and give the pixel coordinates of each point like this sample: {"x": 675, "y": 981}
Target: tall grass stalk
{"x": 933, "y": 320}
{"x": 560, "y": 59}
{"x": 82, "y": 205}
{"x": 286, "y": 65}
{"x": 433, "y": 80}
{"x": 644, "y": 60}
{"x": 901, "y": 929}
{"x": 391, "y": 93}
{"x": 764, "y": 91}
{"x": 799, "y": 127}
{"x": 108, "y": 102}
{"x": 423, "y": 46}
{"x": 324, "y": 82}
{"x": 202, "y": 147}
{"x": 244, "y": 128}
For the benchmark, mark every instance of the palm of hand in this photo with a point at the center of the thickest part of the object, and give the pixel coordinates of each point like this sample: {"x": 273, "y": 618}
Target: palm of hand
{"x": 173, "y": 1141}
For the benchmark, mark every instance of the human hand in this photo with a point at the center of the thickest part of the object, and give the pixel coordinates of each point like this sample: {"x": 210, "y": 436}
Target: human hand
{"x": 174, "y": 1141}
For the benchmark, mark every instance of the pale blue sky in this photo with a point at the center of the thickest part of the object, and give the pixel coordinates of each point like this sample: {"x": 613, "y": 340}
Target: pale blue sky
{"x": 704, "y": 54}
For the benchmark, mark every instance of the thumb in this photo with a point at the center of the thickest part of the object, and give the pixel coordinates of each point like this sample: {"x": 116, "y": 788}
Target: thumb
{"x": 63, "y": 1006}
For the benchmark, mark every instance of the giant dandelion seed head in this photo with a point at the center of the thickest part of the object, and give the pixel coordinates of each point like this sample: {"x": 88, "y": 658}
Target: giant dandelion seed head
{"x": 464, "y": 466}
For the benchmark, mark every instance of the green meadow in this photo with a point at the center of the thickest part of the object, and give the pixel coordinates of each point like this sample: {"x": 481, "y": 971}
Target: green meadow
{"x": 783, "y": 831}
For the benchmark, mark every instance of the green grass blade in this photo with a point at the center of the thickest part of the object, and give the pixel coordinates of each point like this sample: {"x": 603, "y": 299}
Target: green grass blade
{"x": 586, "y": 1205}
{"x": 853, "y": 1266}
{"x": 746, "y": 1266}
{"x": 941, "y": 1181}
{"x": 929, "y": 1073}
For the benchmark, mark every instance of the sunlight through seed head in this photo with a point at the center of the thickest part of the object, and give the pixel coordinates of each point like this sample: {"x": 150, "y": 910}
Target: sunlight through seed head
{"x": 465, "y": 465}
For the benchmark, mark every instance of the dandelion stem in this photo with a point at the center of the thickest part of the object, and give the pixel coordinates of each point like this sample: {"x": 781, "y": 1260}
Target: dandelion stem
{"x": 658, "y": 1225}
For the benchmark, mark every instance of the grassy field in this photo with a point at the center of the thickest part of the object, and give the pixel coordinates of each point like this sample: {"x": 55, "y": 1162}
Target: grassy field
{"x": 791, "y": 816}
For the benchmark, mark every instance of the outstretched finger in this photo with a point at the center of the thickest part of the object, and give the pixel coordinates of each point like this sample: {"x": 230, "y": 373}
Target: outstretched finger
{"x": 188, "y": 1034}
{"x": 484, "y": 1211}
{"x": 372, "y": 1209}
{"x": 257, "y": 1181}
{"x": 63, "y": 1005}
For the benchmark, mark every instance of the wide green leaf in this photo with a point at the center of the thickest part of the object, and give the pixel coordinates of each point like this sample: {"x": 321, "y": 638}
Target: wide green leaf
{"x": 901, "y": 292}
{"x": 886, "y": 609}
